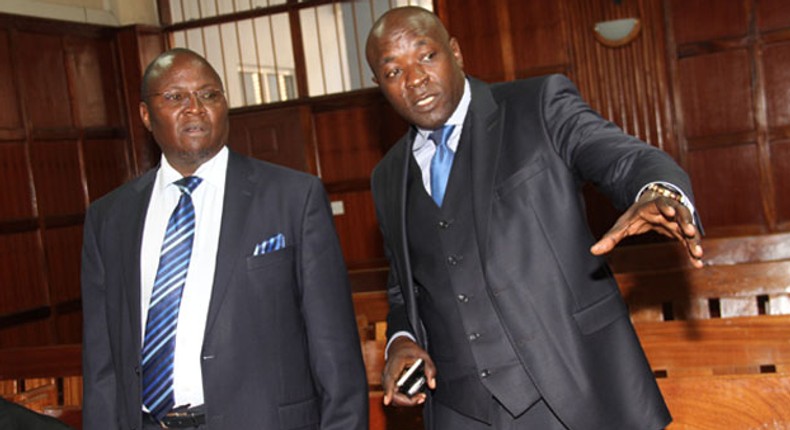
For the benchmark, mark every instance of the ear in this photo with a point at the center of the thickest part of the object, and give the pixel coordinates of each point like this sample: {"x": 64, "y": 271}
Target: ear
{"x": 455, "y": 48}
{"x": 145, "y": 115}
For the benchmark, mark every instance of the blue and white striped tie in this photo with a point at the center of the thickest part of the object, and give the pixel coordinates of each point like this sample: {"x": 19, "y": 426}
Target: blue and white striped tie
{"x": 160, "y": 328}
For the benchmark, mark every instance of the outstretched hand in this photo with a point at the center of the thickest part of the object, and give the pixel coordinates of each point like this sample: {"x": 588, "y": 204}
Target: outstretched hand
{"x": 655, "y": 212}
{"x": 402, "y": 353}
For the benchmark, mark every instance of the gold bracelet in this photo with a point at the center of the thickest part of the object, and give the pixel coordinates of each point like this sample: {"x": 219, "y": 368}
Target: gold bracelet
{"x": 665, "y": 192}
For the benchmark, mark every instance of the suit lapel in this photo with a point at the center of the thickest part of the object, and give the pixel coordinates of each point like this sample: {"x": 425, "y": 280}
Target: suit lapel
{"x": 403, "y": 247}
{"x": 131, "y": 246}
{"x": 484, "y": 122}
{"x": 239, "y": 186}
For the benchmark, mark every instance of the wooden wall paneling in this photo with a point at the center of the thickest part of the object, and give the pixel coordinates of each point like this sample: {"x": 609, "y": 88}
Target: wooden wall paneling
{"x": 91, "y": 63}
{"x": 44, "y": 82}
{"x": 718, "y": 105}
{"x": 719, "y": 174}
{"x": 630, "y": 84}
{"x": 34, "y": 332}
{"x": 62, "y": 249}
{"x": 21, "y": 273}
{"x": 776, "y": 72}
{"x": 352, "y": 134}
{"x": 716, "y": 94}
{"x": 24, "y": 299}
{"x": 351, "y": 140}
{"x": 17, "y": 198}
{"x": 58, "y": 177}
{"x": 775, "y": 68}
{"x": 780, "y": 159}
{"x": 772, "y": 14}
{"x": 10, "y": 118}
{"x": 138, "y": 46}
{"x": 733, "y": 92}
{"x": 704, "y": 20}
{"x": 358, "y": 231}
{"x": 274, "y": 135}
{"x": 539, "y": 37}
{"x": 107, "y": 165}
{"x": 475, "y": 25}
{"x": 68, "y": 324}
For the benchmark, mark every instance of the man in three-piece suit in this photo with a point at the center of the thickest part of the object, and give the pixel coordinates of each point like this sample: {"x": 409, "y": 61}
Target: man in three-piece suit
{"x": 496, "y": 281}
{"x": 214, "y": 290}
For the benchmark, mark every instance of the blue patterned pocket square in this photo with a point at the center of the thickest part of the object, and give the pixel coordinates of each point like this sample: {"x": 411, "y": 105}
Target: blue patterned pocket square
{"x": 271, "y": 244}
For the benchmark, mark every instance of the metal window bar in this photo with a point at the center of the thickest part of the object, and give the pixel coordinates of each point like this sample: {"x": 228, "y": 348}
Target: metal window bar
{"x": 225, "y": 31}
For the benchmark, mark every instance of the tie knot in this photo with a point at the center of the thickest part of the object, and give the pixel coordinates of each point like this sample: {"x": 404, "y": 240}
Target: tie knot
{"x": 188, "y": 184}
{"x": 440, "y": 135}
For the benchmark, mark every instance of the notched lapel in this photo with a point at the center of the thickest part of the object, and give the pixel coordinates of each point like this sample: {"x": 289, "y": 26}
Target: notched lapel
{"x": 131, "y": 245}
{"x": 239, "y": 186}
{"x": 485, "y": 119}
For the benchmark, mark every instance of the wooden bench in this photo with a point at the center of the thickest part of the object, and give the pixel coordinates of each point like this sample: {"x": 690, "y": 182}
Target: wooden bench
{"x": 46, "y": 379}
{"x": 717, "y": 338}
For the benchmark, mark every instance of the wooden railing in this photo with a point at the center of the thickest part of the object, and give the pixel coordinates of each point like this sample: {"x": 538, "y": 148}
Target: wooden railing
{"x": 717, "y": 338}
{"x": 45, "y": 379}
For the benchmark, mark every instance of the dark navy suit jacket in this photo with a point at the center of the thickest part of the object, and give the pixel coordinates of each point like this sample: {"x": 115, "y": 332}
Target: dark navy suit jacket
{"x": 281, "y": 349}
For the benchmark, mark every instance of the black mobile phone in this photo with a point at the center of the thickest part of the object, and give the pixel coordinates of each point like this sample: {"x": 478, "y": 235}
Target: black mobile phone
{"x": 412, "y": 380}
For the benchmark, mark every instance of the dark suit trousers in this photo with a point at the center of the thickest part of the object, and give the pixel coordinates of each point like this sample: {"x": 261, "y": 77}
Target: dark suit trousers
{"x": 537, "y": 417}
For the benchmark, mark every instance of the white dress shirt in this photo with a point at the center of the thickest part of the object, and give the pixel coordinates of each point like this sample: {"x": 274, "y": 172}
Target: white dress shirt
{"x": 207, "y": 198}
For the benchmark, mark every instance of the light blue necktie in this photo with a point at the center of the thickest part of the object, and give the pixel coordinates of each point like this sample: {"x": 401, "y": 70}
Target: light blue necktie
{"x": 441, "y": 163}
{"x": 160, "y": 327}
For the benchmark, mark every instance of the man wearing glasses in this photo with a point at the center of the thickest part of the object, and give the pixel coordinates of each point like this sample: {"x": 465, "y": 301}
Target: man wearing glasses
{"x": 214, "y": 289}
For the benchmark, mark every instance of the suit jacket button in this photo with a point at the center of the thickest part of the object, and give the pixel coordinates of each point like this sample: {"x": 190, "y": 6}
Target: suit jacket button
{"x": 485, "y": 373}
{"x": 463, "y": 298}
{"x": 474, "y": 336}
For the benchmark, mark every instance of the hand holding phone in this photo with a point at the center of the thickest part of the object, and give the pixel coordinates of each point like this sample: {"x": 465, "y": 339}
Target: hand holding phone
{"x": 412, "y": 380}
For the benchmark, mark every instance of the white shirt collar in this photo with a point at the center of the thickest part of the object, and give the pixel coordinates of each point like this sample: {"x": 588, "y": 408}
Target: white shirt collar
{"x": 212, "y": 171}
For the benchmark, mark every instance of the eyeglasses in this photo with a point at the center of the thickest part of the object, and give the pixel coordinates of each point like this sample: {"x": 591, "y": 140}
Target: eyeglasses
{"x": 175, "y": 98}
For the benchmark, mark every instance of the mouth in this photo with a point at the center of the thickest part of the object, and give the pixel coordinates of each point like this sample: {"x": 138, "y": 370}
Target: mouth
{"x": 194, "y": 129}
{"x": 426, "y": 103}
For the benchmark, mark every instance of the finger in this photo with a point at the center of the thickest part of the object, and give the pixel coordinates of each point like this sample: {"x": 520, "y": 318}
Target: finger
{"x": 389, "y": 391}
{"x": 430, "y": 372}
{"x": 388, "y": 378}
{"x": 694, "y": 246}
{"x": 400, "y": 399}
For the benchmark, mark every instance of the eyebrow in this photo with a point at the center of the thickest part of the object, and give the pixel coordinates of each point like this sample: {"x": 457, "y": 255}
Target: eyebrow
{"x": 419, "y": 43}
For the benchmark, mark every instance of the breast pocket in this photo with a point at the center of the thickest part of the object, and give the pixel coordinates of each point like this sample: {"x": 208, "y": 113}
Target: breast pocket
{"x": 260, "y": 261}
{"x": 521, "y": 176}
{"x": 272, "y": 269}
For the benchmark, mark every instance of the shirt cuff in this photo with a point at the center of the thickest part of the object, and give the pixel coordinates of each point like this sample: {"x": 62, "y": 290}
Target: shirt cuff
{"x": 397, "y": 334}
{"x": 686, "y": 201}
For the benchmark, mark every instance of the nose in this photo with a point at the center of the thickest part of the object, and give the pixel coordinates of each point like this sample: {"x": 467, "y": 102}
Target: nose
{"x": 416, "y": 76}
{"x": 193, "y": 102}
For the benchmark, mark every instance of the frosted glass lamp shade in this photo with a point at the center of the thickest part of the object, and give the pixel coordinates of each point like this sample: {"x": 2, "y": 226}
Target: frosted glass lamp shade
{"x": 617, "y": 32}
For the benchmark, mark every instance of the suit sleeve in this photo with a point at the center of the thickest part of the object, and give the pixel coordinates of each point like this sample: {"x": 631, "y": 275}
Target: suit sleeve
{"x": 328, "y": 312}
{"x": 397, "y": 316}
{"x": 598, "y": 151}
{"x": 99, "y": 384}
